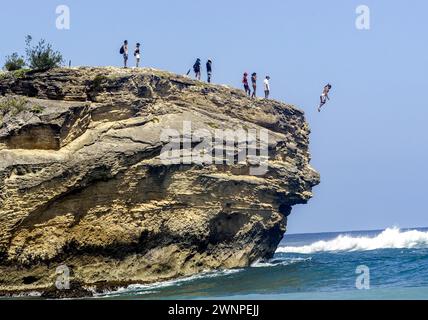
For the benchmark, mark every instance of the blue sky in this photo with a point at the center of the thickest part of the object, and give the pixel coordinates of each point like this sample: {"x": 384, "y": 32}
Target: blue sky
{"x": 369, "y": 144}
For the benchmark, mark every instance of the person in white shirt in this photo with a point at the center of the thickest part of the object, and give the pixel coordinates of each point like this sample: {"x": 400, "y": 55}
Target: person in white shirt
{"x": 137, "y": 54}
{"x": 267, "y": 87}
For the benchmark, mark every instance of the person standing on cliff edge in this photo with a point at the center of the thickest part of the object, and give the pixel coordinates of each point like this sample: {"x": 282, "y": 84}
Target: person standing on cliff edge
{"x": 197, "y": 69}
{"x": 254, "y": 83}
{"x": 124, "y": 51}
{"x": 246, "y": 85}
{"x": 324, "y": 96}
{"x": 137, "y": 55}
{"x": 266, "y": 87}
{"x": 209, "y": 70}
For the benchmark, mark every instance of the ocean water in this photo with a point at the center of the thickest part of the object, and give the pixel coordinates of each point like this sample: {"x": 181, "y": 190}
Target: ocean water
{"x": 313, "y": 266}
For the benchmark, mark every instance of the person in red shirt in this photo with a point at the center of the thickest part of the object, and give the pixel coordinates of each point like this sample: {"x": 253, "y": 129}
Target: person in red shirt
{"x": 246, "y": 86}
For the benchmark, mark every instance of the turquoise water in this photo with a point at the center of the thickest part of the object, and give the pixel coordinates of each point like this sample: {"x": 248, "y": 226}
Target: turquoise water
{"x": 314, "y": 266}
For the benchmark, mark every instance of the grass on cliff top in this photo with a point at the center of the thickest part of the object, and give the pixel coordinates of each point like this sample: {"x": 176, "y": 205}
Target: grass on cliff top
{"x": 15, "y": 105}
{"x": 17, "y": 74}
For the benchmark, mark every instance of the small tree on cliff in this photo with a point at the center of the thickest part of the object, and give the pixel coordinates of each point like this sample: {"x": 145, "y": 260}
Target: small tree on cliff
{"x": 14, "y": 62}
{"x": 42, "y": 56}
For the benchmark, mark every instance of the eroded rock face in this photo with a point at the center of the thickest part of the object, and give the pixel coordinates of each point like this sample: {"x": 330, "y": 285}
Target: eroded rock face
{"x": 82, "y": 183}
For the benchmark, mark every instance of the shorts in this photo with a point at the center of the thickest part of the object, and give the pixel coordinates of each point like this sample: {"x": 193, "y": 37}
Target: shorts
{"x": 125, "y": 56}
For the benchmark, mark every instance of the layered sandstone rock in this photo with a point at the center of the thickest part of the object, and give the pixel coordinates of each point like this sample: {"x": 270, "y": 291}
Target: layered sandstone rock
{"x": 82, "y": 183}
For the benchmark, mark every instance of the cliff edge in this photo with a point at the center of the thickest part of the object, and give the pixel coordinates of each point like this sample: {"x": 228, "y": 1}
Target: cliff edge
{"x": 83, "y": 184}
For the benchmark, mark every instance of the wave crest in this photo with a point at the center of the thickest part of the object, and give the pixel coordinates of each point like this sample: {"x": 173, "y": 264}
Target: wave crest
{"x": 391, "y": 238}
{"x": 143, "y": 289}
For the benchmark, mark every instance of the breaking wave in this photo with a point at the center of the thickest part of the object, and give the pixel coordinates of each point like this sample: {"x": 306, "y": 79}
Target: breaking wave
{"x": 391, "y": 238}
{"x": 143, "y": 289}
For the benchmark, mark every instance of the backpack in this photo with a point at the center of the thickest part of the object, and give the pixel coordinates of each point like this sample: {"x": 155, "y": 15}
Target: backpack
{"x": 122, "y": 50}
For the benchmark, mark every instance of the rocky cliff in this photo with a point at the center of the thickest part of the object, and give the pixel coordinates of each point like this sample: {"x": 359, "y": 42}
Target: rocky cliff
{"x": 83, "y": 184}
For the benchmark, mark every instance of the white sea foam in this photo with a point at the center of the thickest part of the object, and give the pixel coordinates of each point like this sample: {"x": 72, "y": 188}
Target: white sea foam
{"x": 392, "y": 238}
{"x": 274, "y": 263}
{"x": 28, "y": 294}
{"x": 142, "y": 289}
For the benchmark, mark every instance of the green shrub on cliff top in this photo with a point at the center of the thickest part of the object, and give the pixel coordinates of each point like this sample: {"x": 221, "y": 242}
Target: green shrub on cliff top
{"x": 42, "y": 56}
{"x": 14, "y": 62}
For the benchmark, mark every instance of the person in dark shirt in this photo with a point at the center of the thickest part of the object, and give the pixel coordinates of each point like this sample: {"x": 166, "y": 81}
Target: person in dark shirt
{"x": 254, "y": 83}
{"x": 209, "y": 70}
{"x": 197, "y": 69}
{"x": 246, "y": 85}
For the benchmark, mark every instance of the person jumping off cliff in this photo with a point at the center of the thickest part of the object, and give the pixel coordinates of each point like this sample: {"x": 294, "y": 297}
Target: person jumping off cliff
{"x": 246, "y": 85}
{"x": 254, "y": 83}
{"x": 197, "y": 69}
{"x": 137, "y": 54}
{"x": 209, "y": 70}
{"x": 324, "y": 96}
{"x": 124, "y": 51}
